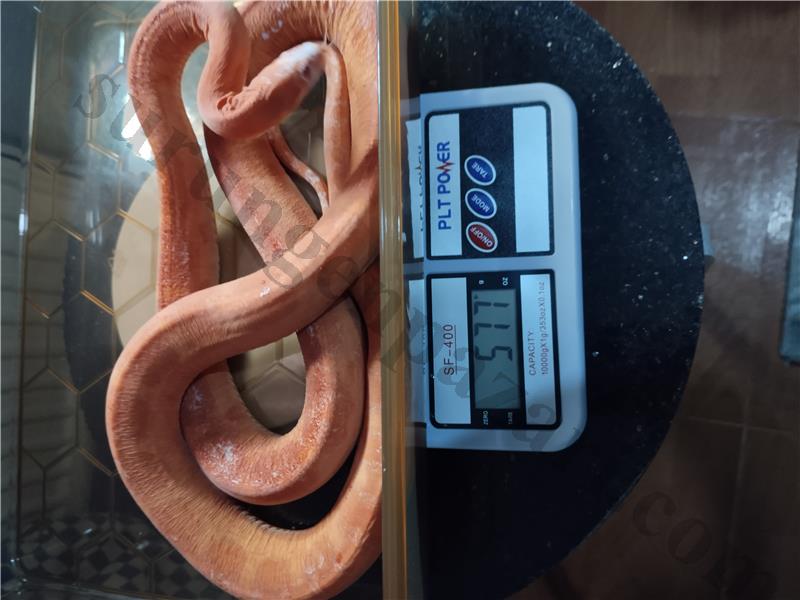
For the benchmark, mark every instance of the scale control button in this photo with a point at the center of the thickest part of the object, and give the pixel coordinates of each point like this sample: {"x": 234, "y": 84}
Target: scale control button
{"x": 480, "y": 203}
{"x": 482, "y": 237}
{"x": 480, "y": 170}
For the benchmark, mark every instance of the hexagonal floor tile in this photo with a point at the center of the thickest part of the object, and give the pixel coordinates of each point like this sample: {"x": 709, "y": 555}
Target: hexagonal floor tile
{"x": 34, "y": 358}
{"x": 77, "y": 499}
{"x": 276, "y": 400}
{"x": 135, "y": 138}
{"x": 86, "y": 190}
{"x": 120, "y": 9}
{"x": 134, "y": 263}
{"x": 293, "y": 357}
{"x": 40, "y": 194}
{"x": 224, "y": 208}
{"x": 139, "y": 10}
{"x": 131, "y": 317}
{"x": 58, "y": 128}
{"x": 31, "y": 492}
{"x": 92, "y": 436}
{"x": 247, "y": 257}
{"x": 53, "y": 267}
{"x": 61, "y": 14}
{"x": 218, "y": 197}
{"x": 112, "y": 565}
{"x": 57, "y": 358}
{"x": 110, "y": 110}
{"x": 81, "y": 342}
{"x": 130, "y": 522}
{"x": 176, "y": 578}
{"x": 98, "y": 256}
{"x": 48, "y": 65}
{"x": 94, "y": 44}
{"x": 134, "y": 18}
{"x": 139, "y": 193}
{"x": 226, "y": 243}
{"x": 48, "y": 418}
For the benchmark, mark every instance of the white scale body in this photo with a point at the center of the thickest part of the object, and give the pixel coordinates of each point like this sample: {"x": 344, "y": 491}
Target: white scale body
{"x": 494, "y": 289}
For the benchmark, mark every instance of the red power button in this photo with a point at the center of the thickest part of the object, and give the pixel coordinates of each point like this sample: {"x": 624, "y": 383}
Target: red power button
{"x": 482, "y": 237}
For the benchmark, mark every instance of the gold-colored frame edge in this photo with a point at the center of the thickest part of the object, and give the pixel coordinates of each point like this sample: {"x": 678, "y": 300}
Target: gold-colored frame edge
{"x": 23, "y": 287}
{"x": 393, "y": 355}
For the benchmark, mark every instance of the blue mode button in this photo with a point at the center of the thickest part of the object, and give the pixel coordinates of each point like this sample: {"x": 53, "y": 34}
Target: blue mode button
{"x": 480, "y": 203}
{"x": 479, "y": 169}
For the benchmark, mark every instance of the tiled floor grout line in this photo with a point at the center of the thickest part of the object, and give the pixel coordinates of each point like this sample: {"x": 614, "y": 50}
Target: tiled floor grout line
{"x": 761, "y": 428}
{"x": 735, "y": 506}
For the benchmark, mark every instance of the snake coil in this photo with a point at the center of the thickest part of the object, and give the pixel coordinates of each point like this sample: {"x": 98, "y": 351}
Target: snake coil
{"x": 184, "y": 444}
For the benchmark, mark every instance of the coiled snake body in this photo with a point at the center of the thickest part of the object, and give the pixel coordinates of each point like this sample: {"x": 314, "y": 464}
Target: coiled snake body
{"x": 184, "y": 461}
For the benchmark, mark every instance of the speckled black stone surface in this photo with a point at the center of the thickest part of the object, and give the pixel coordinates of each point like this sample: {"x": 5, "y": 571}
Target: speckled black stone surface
{"x": 492, "y": 522}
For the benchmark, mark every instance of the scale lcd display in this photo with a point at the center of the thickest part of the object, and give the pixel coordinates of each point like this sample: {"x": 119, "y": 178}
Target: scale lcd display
{"x": 495, "y": 348}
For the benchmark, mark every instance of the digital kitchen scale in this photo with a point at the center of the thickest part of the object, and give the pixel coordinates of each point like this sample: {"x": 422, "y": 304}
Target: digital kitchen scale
{"x": 493, "y": 270}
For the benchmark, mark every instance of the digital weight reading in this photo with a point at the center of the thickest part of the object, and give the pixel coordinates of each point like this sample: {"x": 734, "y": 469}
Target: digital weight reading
{"x": 495, "y": 349}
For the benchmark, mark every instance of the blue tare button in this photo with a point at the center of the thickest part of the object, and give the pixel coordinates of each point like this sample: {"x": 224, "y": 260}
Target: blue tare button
{"x": 479, "y": 169}
{"x": 480, "y": 203}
